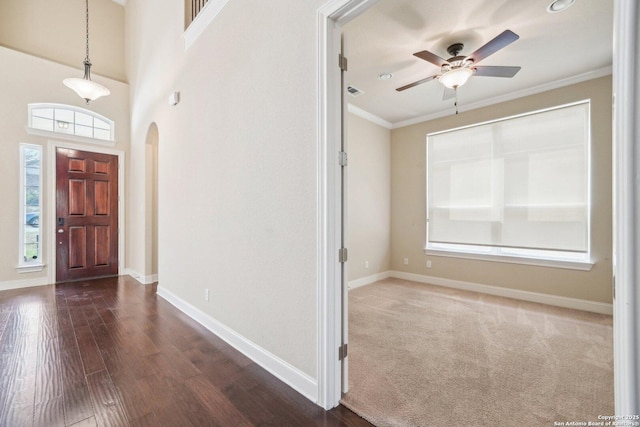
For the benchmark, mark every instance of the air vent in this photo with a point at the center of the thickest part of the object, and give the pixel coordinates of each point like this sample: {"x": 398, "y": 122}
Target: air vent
{"x": 354, "y": 91}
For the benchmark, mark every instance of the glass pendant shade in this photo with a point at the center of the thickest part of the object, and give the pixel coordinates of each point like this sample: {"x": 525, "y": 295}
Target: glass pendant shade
{"x": 85, "y": 87}
{"x": 456, "y": 77}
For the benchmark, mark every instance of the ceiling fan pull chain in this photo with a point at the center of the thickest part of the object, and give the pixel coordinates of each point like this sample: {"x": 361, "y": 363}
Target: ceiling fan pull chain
{"x": 455, "y": 103}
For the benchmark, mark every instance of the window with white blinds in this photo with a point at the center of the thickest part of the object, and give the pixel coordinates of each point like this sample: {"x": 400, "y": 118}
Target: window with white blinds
{"x": 519, "y": 183}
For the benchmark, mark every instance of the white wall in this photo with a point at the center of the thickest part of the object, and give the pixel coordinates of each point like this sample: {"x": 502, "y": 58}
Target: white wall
{"x": 369, "y": 198}
{"x": 237, "y": 165}
{"x": 56, "y": 30}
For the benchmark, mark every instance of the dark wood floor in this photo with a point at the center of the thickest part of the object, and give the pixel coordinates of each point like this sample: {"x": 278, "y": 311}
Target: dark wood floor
{"x": 109, "y": 352}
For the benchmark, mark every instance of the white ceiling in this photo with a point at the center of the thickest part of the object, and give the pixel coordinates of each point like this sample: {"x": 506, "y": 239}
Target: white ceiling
{"x": 554, "y": 49}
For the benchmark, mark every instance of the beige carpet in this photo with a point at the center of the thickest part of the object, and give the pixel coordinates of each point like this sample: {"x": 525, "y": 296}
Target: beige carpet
{"x": 424, "y": 355}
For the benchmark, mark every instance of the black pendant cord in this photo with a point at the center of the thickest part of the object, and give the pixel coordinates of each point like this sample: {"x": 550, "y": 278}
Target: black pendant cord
{"x": 87, "y": 29}
{"x": 87, "y": 61}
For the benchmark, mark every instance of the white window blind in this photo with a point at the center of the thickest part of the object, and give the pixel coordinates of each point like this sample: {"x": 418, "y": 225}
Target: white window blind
{"x": 520, "y": 182}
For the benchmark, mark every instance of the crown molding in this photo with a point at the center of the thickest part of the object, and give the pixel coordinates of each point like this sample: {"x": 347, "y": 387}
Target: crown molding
{"x": 601, "y": 72}
{"x": 368, "y": 116}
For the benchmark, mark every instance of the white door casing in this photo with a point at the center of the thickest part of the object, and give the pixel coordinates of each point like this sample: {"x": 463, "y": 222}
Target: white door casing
{"x": 626, "y": 211}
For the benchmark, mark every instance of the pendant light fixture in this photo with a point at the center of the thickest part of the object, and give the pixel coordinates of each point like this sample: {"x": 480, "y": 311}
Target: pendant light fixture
{"x": 85, "y": 87}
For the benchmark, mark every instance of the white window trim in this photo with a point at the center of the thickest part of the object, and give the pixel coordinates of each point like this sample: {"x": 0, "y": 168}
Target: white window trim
{"x": 69, "y": 137}
{"x": 511, "y": 259}
{"x": 493, "y": 253}
{"x": 23, "y": 266}
{"x": 206, "y": 15}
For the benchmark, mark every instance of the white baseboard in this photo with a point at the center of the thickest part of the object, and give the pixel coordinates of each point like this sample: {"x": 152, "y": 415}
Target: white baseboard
{"x": 368, "y": 279}
{"x": 558, "y": 301}
{"x": 287, "y": 373}
{"x": 23, "y": 283}
{"x": 145, "y": 280}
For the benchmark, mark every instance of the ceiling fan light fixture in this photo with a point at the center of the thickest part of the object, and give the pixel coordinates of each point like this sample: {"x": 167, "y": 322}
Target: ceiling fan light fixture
{"x": 559, "y": 5}
{"x": 456, "y": 77}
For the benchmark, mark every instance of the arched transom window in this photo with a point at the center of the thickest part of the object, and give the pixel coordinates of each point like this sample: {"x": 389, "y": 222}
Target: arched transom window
{"x": 70, "y": 120}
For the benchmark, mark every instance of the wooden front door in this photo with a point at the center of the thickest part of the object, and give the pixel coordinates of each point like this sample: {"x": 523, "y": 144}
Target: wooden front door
{"x": 86, "y": 215}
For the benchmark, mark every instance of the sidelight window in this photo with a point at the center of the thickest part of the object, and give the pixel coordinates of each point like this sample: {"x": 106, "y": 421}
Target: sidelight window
{"x": 30, "y": 206}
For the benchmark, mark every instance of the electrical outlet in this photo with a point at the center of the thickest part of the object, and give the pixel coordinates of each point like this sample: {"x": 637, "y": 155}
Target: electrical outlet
{"x": 428, "y": 263}
{"x": 366, "y": 264}
{"x": 206, "y": 294}
{"x": 406, "y": 261}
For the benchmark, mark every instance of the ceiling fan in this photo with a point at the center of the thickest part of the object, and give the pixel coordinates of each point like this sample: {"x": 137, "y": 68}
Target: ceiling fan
{"x": 455, "y": 71}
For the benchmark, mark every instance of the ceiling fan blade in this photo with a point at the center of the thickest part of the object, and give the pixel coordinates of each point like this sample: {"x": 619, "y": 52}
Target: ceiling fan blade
{"x": 419, "y": 82}
{"x": 431, "y": 57}
{"x": 496, "y": 71}
{"x": 448, "y": 93}
{"x": 504, "y": 39}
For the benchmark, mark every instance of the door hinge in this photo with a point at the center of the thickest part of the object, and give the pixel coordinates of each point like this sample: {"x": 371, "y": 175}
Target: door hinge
{"x": 342, "y": 255}
{"x": 342, "y": 352}
{"x": 613, "y": 291}
{"x": 342, "y": 62}
{"x": 342, "y": 158}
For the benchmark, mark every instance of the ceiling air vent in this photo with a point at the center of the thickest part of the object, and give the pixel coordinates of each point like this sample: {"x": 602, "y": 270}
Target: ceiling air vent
{"x": 354, "y": 91}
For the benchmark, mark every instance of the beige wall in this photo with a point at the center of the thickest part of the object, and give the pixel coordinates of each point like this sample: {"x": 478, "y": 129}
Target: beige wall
{"x": 369, "y": 197}
{"x": 55, "y": 30}
{"x": 27, "y": 79}
{"x": 237, "y": 165}
{"x": 408, "y": 184}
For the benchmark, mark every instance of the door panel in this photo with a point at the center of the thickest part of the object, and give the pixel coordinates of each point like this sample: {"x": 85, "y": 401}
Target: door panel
{"x": 77, "y": 197}
{"x": 77, "y": 247}
{"x": 87, "y": 215}
{"x": 101, "y": 167}
{"x": 102, "y": 245}
{"x": 101, "y": 192}
{"x": 77, "y": 165}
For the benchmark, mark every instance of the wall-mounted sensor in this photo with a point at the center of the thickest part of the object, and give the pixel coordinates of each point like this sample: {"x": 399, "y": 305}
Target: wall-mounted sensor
{"x": 174, "y": 98}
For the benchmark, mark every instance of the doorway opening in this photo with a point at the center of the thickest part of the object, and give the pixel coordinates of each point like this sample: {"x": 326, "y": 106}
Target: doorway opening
{"x": 332, "y": 18}
{"x": 151, "y": 204}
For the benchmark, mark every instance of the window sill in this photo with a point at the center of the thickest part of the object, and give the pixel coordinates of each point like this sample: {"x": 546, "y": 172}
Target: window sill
{"x": 30, "y": 268}
{"x": 68, "y": 137}
{"x": 552, "y": 263}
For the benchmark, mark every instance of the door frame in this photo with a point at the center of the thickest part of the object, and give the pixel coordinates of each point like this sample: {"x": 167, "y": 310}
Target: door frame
{"x": 331, "y": 17}
{"x": 626, "y": 196}
{"x": 50, "y": 201}
{"x": 626, "y": 305}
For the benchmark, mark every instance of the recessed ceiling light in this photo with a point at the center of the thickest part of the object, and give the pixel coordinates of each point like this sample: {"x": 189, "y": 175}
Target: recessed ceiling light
{"x": 559, "y": 5}
{"x": 385, "y": 76}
